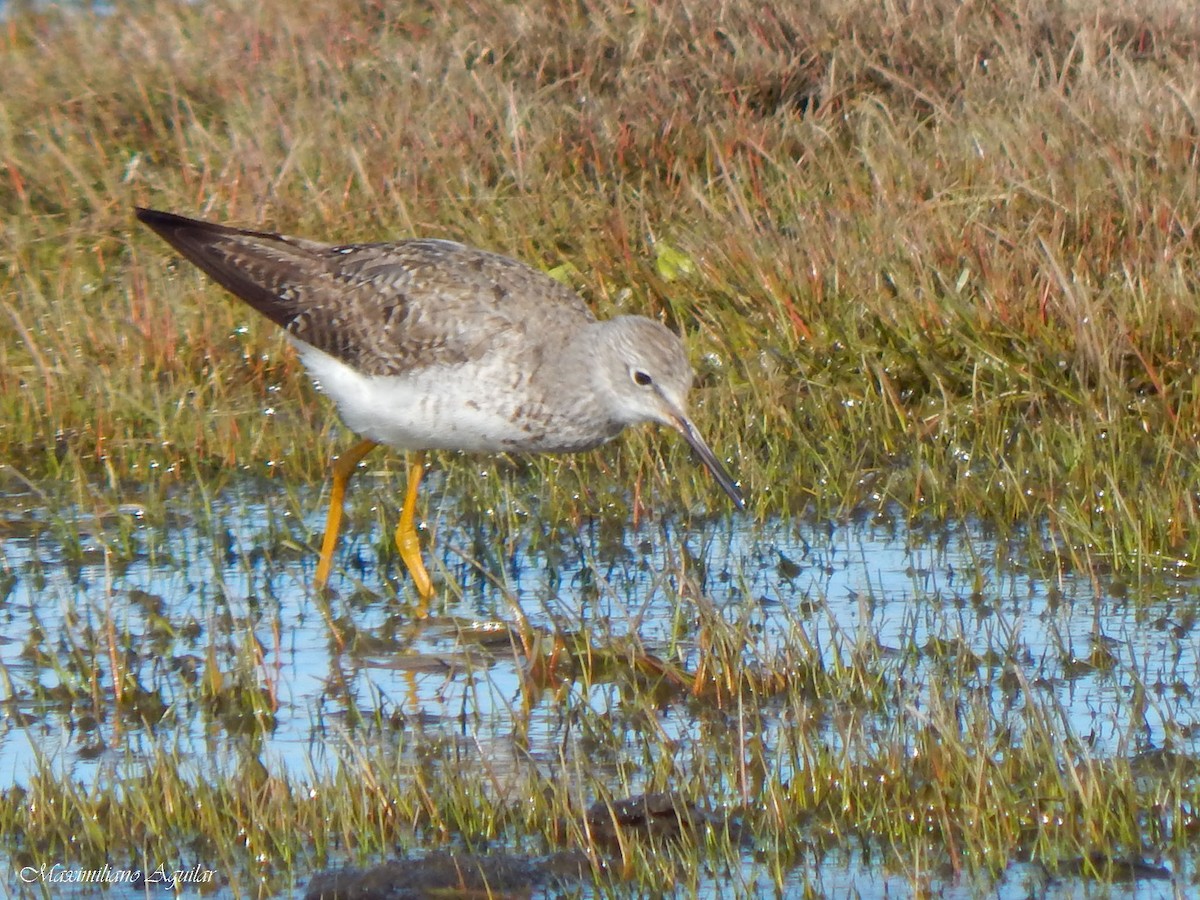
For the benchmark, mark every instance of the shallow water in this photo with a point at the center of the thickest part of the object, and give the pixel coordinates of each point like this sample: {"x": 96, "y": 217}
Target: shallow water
{"x": 179, "y": 586}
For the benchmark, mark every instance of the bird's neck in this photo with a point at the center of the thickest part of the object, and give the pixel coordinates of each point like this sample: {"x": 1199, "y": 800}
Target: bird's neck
{"x": 580, "y": 384}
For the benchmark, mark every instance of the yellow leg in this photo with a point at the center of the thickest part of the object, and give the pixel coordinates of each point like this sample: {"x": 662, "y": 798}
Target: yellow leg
{"x": 343, "y": 468}
{"x": 406, "y": 532}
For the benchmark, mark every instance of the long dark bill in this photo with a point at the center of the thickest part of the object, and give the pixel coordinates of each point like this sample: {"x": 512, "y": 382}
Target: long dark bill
{"x": 723, "y": 478}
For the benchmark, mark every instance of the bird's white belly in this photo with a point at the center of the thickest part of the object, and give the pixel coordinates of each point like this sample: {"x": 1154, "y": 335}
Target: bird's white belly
{"x": 438, "y": 408}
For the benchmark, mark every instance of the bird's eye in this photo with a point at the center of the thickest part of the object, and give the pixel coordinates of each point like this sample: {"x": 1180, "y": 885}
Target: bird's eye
{"x": 641, "y": 378}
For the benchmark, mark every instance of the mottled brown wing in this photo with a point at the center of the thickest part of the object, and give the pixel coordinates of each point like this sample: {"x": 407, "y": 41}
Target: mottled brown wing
{"x": 382, "y": 308}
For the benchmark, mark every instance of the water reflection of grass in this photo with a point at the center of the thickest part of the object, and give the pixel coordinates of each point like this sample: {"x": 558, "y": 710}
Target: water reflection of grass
{"x": 942, "y": 737}
{"x": 937, "y": 261}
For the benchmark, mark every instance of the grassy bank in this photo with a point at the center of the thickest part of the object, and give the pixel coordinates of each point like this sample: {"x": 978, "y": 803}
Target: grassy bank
{"x": 934, "y": 258}
{"x": 941, "y": 258}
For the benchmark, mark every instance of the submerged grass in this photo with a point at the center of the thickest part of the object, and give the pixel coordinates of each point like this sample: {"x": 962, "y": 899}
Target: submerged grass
{"x": 936, "y": 258}
{"x": 941, "y": 765}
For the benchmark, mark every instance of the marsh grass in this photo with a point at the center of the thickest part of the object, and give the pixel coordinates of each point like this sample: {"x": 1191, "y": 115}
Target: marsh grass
{"x": 939, "y": 258}
{"x": 934, "y": 261}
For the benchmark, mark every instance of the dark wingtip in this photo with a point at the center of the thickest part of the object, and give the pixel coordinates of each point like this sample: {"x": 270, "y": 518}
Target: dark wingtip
{"x": 161, "y": 221}
{"x": 148, "y": 216}
{"x": 234, "y": 258}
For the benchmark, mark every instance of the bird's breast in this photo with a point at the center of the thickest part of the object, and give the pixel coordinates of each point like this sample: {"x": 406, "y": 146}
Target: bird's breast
{"x": 485, "y": 407}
